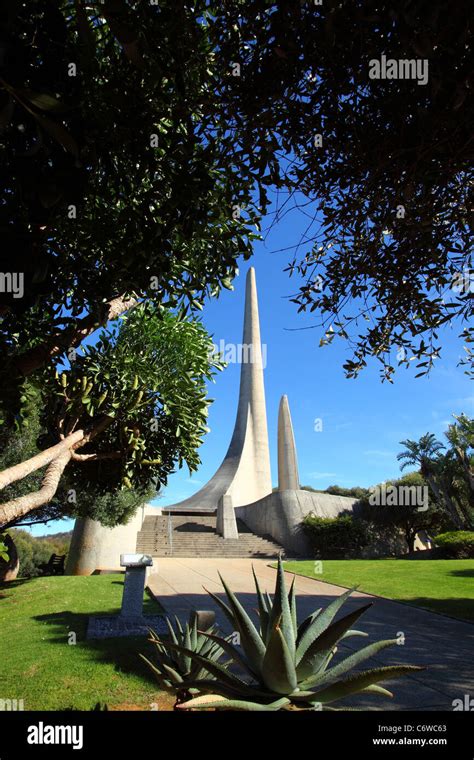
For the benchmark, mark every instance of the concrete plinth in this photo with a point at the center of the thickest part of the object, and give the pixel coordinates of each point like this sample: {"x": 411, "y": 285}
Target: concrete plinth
{"x": 132, "y": 599}
{"x": 226, "y": 524}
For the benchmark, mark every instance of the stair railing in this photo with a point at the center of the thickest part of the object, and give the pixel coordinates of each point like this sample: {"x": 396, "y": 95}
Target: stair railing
{"x": 170, "y": 531}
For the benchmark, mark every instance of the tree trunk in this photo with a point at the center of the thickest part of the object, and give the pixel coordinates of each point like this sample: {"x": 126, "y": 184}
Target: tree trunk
{"x": 9, "y": 567}
{"x": 466, "y": 465}
{"x": 410, "y": 539}
{"x": 443, "y": 499}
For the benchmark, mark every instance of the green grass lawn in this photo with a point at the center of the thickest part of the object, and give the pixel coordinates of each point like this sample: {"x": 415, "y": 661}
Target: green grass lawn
{"x": 38, "y": 665}
{"x": 444, "y": 586}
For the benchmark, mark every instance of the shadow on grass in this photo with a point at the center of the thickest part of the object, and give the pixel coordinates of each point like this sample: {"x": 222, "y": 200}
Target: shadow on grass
{"x": 467, "y": 573}
{"x": 5, "y": 585}
{"x": 123, "y": 652}
{"x": 461, "y": 609}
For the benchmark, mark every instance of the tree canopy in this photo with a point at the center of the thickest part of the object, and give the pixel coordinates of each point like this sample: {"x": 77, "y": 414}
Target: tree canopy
{"x": 135, "y": 134}
{"x": 126, "y": 411}
{"x": 141, "y": 144}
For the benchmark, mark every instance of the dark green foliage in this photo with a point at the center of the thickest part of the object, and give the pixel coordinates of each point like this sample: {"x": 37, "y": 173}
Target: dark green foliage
{"x": 123, "y": 178}
{"x": 156, "y": 217}
{"x": 147, "y": 379}
{"x": 172, "y": 668}
{"x": 450, "y": 475}
{"x": 456, "y": 544}
{"x": 336, "y": 538}
{"x": 356, "y": 492}
{"x": 145, "y": 382}
{"x": 397, "y": 519}
{"x": 33, "y": 551}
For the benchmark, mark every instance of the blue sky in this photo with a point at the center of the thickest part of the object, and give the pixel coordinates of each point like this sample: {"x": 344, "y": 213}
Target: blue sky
{"x": 362, "y": 420}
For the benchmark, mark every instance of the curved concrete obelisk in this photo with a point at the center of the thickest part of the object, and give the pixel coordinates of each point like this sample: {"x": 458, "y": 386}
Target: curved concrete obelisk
{"x": 245, "y": 471}
{"x": 244, "y": 474}
{"x": 288, "y": 477}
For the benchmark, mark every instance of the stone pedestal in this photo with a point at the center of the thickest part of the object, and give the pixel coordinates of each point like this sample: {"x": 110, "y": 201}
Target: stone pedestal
{"x": 132, "y": 599}
{"x": 131, "y": 621}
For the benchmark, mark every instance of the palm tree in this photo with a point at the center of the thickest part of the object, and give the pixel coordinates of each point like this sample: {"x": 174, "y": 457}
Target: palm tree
{"x": 424, "y": 453}
{"x": 461, "y": 437}
{"x": 450, "y": 477}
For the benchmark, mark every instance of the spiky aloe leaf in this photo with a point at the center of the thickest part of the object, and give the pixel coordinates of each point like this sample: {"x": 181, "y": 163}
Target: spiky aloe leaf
{"x": 348, "y": 634}
{"x": 187, "y": 644}
{"x": 303, "y": 627}
{"x": 172, "y": 674}
{"x": 215, "y": 701}
{"x": 212, "y": 667}
{"x": 281, "y": 612}
{"x": 233, "y": 652}
{"x": 278, "y": 668}
{"x": 374, "y": 688}
{"x": 319, "y": 650}
{"x": 224, "y": 607}
{"x": 292, "y": 603}
{"x": 232, "y": 692}
{"x": 358, "y": 657}
{"x": 250, "y": 639}
{"x": 347, "y": 664}
{"x": 171, "y": 630}
{"x": 162, "y": 680}
{"x": 269, "y": 601}
{"x": 193, "y": 634}
{"x": 179, "y": 627}
{"x": 263, "y": 610}
{"x": 359, "y": 681}
{"x": 319, "y": 624}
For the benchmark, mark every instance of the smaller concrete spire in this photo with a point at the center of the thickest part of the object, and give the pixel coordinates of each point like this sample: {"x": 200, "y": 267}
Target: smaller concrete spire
{"x": 288, "y": 478}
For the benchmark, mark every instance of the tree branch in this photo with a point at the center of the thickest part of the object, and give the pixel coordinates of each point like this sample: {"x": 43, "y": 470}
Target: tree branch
{"x": 21, "y": 470}
{"x": 70, "y": 443}
{"x": 95, "y": 457}
{"x": 22, "y": 505}
{"x": 72, "y": 337}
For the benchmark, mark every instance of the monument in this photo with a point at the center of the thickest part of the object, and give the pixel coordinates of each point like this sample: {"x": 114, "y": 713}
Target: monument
{"x": 242, "y": 485}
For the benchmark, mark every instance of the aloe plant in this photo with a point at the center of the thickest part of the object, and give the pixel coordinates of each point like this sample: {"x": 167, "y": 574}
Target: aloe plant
{"x": 172, "y": 667}
{"x": 282, "y": 665}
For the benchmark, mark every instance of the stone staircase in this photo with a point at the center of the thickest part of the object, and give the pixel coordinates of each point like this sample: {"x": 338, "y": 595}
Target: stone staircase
{"x": 195, "y": 536}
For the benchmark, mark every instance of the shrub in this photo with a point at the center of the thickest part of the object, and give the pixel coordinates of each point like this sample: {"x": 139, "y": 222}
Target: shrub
{"x": 456, "y": 544}
{"x": 34, "y": 551}
{"x": 336, "y": 537}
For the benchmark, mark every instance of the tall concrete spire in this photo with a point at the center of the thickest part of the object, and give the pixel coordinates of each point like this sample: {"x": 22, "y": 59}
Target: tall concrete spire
{"x": 245, "y": 471}
{"x": 288, "y": 477}
{"x": 244, "y": 474}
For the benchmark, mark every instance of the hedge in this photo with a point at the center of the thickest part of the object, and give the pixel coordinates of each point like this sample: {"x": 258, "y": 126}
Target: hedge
{"x": 456, "y": 544}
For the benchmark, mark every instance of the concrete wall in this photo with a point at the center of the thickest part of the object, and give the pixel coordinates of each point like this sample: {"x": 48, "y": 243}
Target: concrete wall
{"x": 280, "y": 514}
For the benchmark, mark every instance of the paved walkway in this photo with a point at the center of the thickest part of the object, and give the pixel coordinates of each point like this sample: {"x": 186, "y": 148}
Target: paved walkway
{"x": 444, "y": 646}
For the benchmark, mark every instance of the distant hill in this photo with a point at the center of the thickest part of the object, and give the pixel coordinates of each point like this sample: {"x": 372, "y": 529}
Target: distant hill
{"x": 57, "y": 538}
{"x": 34, "y": 551}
